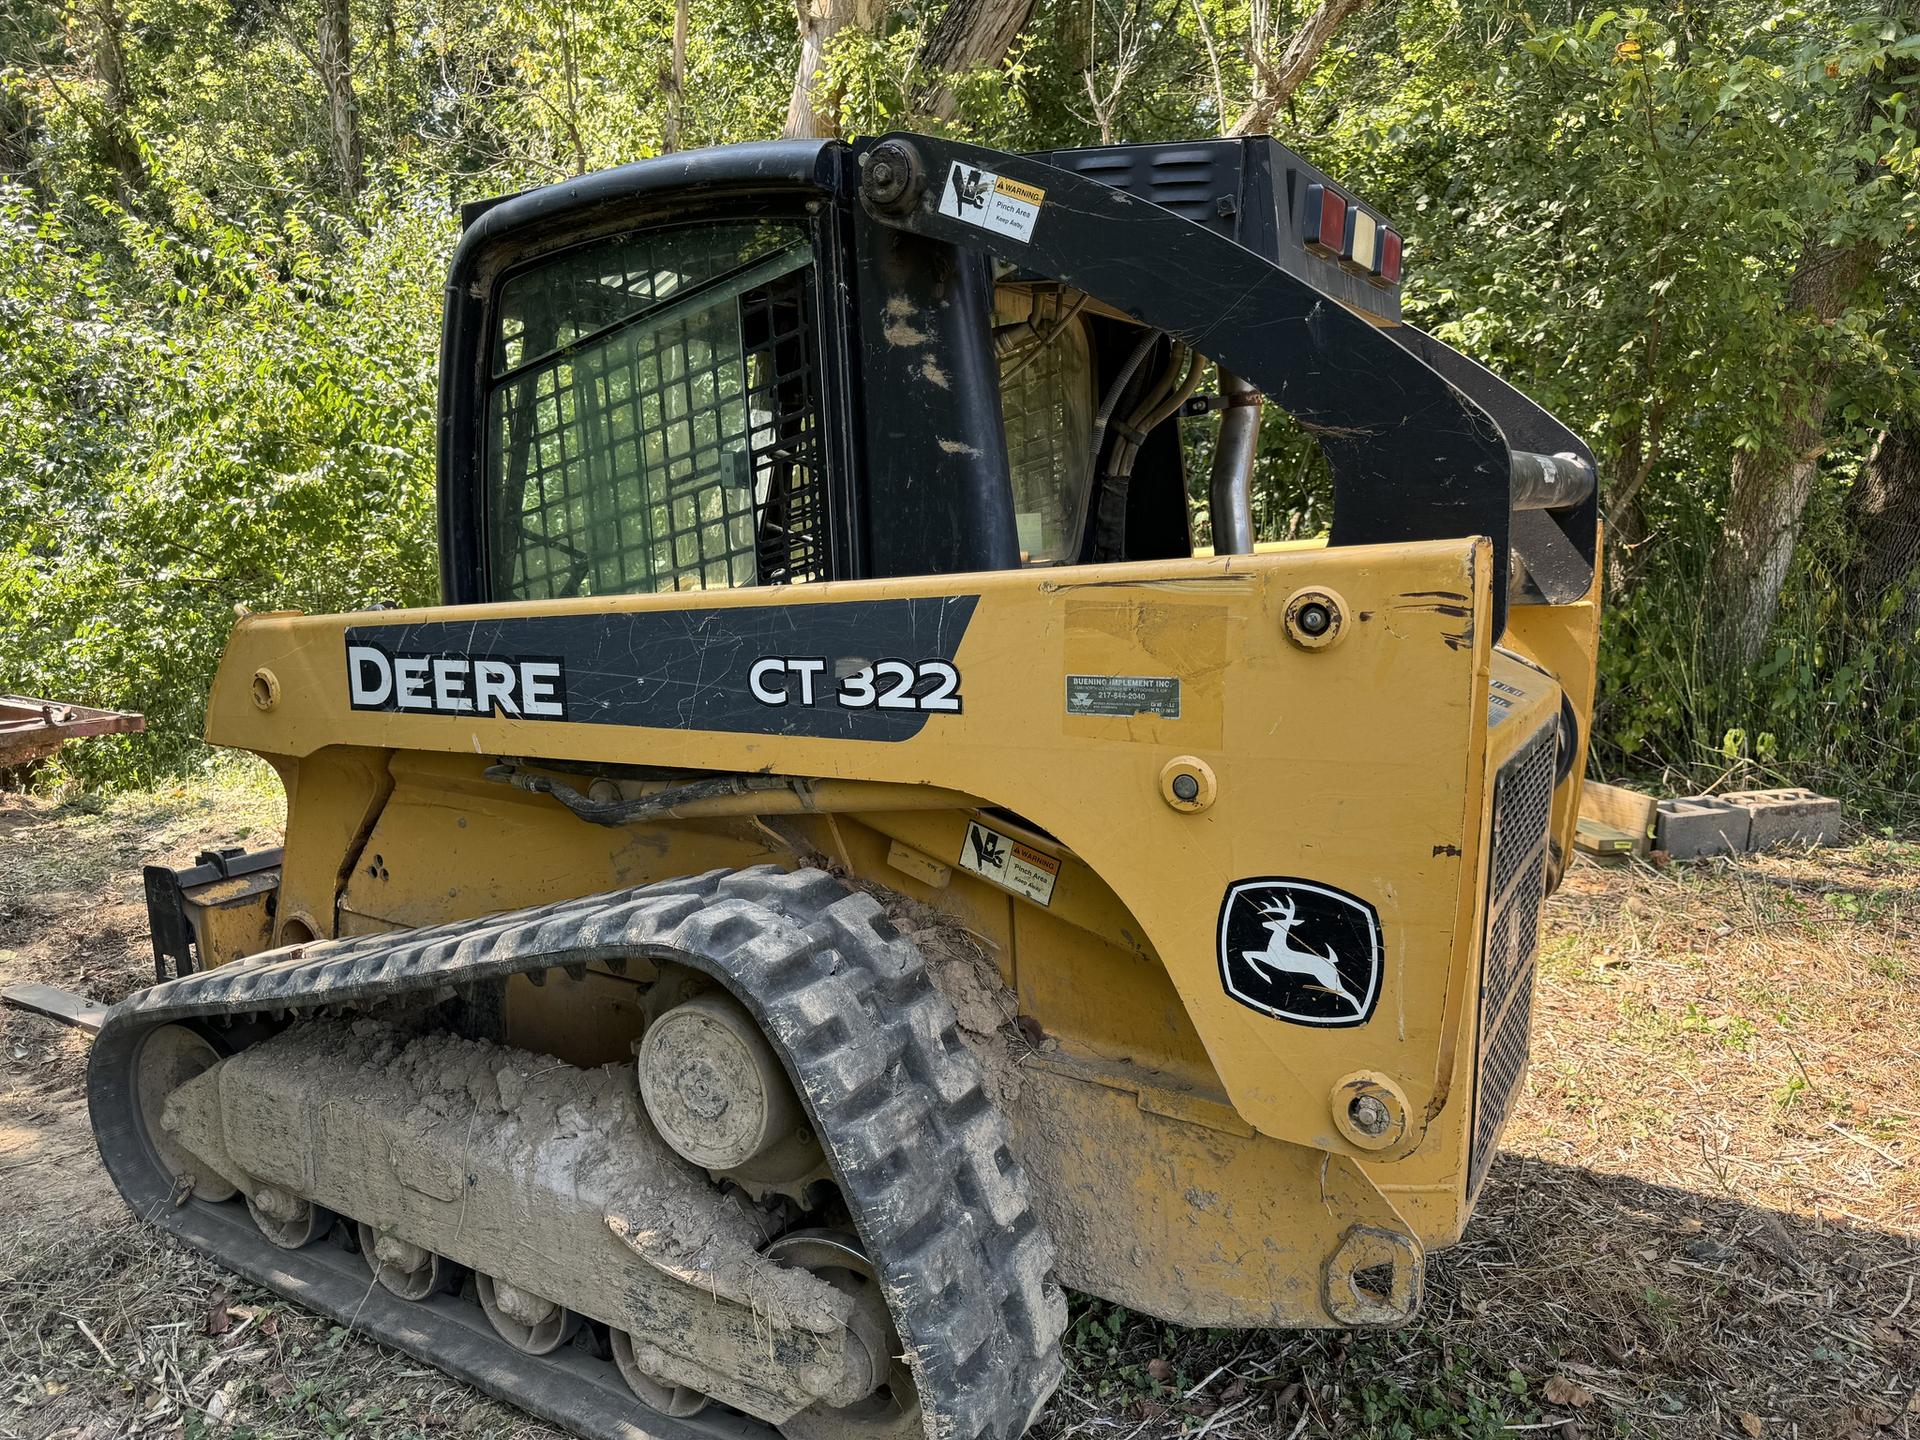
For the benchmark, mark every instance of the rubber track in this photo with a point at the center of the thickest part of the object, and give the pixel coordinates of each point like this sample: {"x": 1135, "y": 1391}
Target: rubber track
{"x": 923, "y": 1158}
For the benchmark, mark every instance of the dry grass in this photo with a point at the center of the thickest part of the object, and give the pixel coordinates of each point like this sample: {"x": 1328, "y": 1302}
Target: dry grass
{"x": 1707, "y": 1221}
{"x": 106, "y": 1328}
{"x": 117, "y": 1332}
{"x": 71, "y": 907}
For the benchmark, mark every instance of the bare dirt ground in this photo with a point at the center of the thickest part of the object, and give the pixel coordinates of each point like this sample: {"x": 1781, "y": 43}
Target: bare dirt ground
{"x": 1706, "y": 1222}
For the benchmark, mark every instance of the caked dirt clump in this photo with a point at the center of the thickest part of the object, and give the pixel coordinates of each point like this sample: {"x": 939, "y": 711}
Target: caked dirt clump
{"x": 570, "y": 1138}
{"x": 961, "y": 966}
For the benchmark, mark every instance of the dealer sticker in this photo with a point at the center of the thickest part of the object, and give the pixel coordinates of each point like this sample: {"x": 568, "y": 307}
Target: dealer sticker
{"x": 1124, "y": 695}
{"x": 1005, "y": 861}
{"x": 990, "y": 201}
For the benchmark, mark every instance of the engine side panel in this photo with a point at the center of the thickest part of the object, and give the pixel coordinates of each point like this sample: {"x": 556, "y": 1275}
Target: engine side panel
{"x": 1356, "y": 768}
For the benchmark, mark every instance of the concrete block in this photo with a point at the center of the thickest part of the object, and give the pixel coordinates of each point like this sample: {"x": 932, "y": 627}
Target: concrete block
{"x": 1788, "y": 817}
{"x": 1700, "y": 825}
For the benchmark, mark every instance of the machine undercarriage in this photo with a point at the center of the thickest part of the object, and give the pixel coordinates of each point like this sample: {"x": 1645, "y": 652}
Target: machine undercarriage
{"x": 342, "y": 1096}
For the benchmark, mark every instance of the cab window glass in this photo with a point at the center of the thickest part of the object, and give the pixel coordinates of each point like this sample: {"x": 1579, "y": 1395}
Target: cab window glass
{"x": 1046, "y": 396}
{"x": 653, "y": 420}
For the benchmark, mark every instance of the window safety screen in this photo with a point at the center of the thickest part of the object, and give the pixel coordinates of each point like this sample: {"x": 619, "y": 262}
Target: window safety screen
{"x": 653, "y": 422}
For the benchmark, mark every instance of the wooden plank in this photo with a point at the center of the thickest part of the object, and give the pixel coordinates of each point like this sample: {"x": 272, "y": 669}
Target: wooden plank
{"x": 1620, "y": 809}
{"x": 1603, "y": 840}
{"x": 55, "y": 1003}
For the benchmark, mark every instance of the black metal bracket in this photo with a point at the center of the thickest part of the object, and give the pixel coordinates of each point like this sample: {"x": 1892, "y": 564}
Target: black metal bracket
{"x": 1415, "y": 454}
{"x": 175, "y": 946}
{"x": 1202, "y": 242}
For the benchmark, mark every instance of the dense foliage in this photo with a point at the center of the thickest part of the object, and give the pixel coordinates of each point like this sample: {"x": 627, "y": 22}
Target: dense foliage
{"x": 1689, "y": 230}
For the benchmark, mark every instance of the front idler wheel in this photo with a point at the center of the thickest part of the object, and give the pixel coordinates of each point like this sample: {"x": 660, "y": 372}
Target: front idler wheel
{"x": 675, "y": 1401}
{"x": 891, "y": 1411}
{"x": 168, "y": 1058}
{"x": 720, "y": 1097}
{"x": 408, "y": 1270}
{"x": 523, "y": 1319}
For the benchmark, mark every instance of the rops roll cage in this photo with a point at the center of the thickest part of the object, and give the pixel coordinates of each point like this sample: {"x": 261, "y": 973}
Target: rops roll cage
{"x": 1422, "y": 442}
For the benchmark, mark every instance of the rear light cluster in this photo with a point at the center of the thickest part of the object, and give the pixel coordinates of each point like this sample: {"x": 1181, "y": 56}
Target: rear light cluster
{"x": 1348, "y": 234}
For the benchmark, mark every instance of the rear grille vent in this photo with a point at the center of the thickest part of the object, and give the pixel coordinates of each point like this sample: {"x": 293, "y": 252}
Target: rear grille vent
{"x": 1517, "y": 883}
{"x": 1201, "y": 182}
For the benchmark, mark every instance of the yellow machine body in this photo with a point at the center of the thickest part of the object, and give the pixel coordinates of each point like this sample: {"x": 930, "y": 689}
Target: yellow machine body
{"x": 1194, "y": 1157}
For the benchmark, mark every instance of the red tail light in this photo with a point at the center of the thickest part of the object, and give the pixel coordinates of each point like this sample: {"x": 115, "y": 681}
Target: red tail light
{"x": 1326, "y": 220}
{"x": 1386, "y": 264}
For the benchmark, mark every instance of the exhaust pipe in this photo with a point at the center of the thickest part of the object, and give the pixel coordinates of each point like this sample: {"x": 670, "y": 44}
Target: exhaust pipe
{"x": 1231, "y": 487}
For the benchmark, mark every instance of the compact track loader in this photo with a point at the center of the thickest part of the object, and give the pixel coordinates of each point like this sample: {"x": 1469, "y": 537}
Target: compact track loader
{"x": 841, "y": 864}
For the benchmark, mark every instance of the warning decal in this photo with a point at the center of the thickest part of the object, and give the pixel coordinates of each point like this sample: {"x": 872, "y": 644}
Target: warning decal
{"x": 1005, "y": 861}
{"x": 990, "y": 201}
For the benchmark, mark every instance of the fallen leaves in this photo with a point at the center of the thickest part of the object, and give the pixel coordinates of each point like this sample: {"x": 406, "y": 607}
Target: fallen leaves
{"x": 1559, "y": 1390}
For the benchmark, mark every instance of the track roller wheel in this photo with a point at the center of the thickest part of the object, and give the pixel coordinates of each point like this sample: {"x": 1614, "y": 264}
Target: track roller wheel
{"x": 406, "y": 1269}
{"x": 721, "y": 1098}
{"x": 523, "y": 1319}
{"x": 286, "y": 1219}
{"x": 675, "y": 1401}
{"x": 892, "y": 1410}
{"x": 168, "y": 1057}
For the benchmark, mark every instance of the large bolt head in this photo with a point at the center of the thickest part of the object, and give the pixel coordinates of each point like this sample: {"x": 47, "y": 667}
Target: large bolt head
{"x": 278, "y": 1204}
{"x": 893, "y": 177}
{"x": 402, "y": 1255}
{"x": 523, "y": 1306}
{"x": 1315, "y": 618}
{"x": 1369, "y": 1116}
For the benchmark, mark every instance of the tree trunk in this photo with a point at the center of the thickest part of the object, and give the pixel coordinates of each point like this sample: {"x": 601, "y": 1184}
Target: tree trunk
{"x": 570, "y": 75}
{"x": 116, "y": 96}
{"x": 15, "y": 134}
{"x": 1635, "y": 456}
{"x": 1883, "y": 519}
{"x": 676, "y": 80}
{"x": 970, "y": 34}
{"x": 1626, "y": 472}
{"x": 812, "y": 115}
{"x": 333, "y": 59}
{"x": 1275, "y": 83}
{"x": 1771, "y": 486}
{"x": 391, "y": 24}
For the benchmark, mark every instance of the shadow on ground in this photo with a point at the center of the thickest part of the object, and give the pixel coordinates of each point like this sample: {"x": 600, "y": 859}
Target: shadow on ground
{"x": 1578, "y": 1302}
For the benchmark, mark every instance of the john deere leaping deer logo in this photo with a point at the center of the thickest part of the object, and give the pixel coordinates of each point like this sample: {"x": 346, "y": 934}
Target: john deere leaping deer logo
{"x": 1300, "y": 951}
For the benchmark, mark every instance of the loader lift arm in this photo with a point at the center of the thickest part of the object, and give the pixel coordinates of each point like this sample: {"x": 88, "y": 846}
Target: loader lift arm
{"x": 1423, "y": 443}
